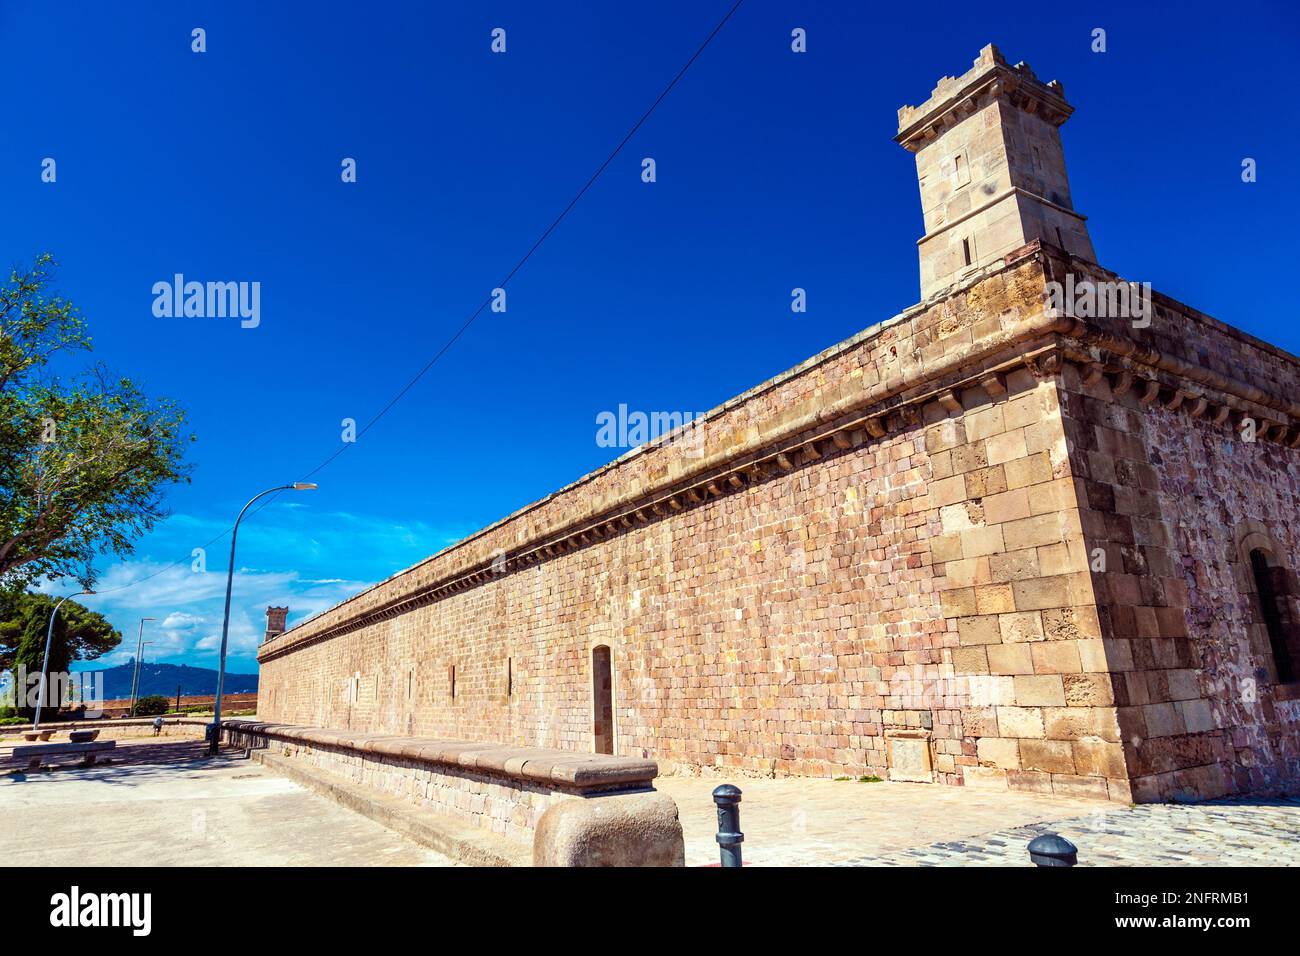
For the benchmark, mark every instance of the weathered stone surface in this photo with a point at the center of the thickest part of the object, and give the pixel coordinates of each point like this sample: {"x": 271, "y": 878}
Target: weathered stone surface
{"x": 639, "y": 829}
{"x": 909, "y": 757}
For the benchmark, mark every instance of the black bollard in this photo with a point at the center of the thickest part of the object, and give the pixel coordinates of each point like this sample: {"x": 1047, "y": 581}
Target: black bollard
{"x": 1052, "y": 849}
{"x": 730, "y": 838}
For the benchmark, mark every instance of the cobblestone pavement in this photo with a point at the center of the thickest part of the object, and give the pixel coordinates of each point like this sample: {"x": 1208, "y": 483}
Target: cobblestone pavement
{"x": 800, "y": 822}
{"x": 1224, "y": 833}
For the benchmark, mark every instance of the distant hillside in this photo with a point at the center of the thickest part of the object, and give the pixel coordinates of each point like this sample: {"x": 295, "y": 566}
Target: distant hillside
{"x": 164, "y": 679}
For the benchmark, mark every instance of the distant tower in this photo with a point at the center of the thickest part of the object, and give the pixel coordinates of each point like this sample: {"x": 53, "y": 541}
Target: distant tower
{"x": 275, "y": 617}
{"x": 991, "y": 168}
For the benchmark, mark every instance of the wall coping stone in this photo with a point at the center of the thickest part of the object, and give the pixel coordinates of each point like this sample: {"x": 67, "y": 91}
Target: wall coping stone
{"x": 558, "y": 769}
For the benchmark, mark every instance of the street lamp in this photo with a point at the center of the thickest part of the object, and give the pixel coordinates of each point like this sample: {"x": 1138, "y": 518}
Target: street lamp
{"x": 214, "y": 730}
{"x": 139, "y": 647}
{"x": 45, "y": 661}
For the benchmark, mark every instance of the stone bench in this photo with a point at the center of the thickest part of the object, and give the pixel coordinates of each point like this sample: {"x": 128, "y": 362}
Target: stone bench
{"x": 575, "y": 808}
{"x": 35, "y": 753}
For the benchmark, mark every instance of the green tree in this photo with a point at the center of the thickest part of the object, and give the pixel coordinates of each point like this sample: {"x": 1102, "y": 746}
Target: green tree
{"x": 83, "y": 462}
{"x": 80, "y": 634}
{"x": 152, "y": 705}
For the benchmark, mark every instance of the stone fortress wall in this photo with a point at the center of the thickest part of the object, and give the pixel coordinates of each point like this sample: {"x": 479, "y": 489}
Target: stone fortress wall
{"x": 985, "y": 542}
{"x": 1176, "y": 495}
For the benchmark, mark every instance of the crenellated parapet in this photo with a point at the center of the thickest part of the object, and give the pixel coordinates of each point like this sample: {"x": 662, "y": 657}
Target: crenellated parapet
{"x": 989, "y": 78}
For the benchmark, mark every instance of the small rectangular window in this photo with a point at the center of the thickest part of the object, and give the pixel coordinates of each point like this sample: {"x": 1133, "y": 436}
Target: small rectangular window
{"x": 451, "y": 679}
{"x": 965, "y": 250}
{"x": 960, "y": 170}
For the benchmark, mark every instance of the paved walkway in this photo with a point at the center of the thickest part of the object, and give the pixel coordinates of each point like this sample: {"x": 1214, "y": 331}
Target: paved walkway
{"x": 795, "y": 822}
{"x": 1222, "y": 833}
{"x": 159, "y": 804}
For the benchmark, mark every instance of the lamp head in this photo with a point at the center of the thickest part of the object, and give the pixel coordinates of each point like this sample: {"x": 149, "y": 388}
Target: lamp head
{"x": 304, "y": 486}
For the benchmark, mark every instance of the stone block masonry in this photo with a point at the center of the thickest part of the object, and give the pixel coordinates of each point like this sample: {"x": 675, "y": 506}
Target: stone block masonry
{"x": 781, "y": 614}
{"x": 1177, "y": 489}
{"x": 984, "y": 543}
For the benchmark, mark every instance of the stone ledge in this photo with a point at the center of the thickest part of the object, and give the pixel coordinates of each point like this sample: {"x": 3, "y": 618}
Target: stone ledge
{"x": 561, "y": 770}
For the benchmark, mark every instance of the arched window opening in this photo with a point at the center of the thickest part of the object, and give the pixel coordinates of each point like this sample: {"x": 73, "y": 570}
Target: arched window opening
{"x": 1273, "y": 591}
{"x": 602, "y": 700}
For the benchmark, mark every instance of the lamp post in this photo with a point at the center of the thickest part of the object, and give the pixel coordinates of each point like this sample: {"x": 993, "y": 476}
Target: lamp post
{"x": 45, "y": 661}
{"x": 214, "y": 730}
{"x": 139, "y": 647}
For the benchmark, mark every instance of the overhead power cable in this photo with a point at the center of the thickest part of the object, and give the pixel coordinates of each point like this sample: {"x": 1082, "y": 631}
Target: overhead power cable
{"x": 446, "y": 347}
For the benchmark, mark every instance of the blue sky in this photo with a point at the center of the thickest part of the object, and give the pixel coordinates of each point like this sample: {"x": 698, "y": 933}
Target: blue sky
{"x": 775, "y": 170}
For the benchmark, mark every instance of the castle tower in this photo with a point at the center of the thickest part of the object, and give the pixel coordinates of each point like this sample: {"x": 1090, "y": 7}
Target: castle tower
{"x": 991, "y": 169}
{"x": 275, "y": 618}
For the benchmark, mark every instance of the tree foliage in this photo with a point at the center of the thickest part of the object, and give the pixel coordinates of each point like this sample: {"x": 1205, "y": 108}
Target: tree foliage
{"x": 83, "y": 462}
{"x": 152, "y": 705}
{"x": 80, "y": 634}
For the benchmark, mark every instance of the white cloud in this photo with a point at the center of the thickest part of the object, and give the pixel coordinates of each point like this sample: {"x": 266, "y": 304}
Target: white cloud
{"x": 189, "y": 609}
{"x": 330, "y": 557}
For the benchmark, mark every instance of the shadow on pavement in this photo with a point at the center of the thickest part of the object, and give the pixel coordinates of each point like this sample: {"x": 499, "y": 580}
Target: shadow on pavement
{"x": 130, "y": 759}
